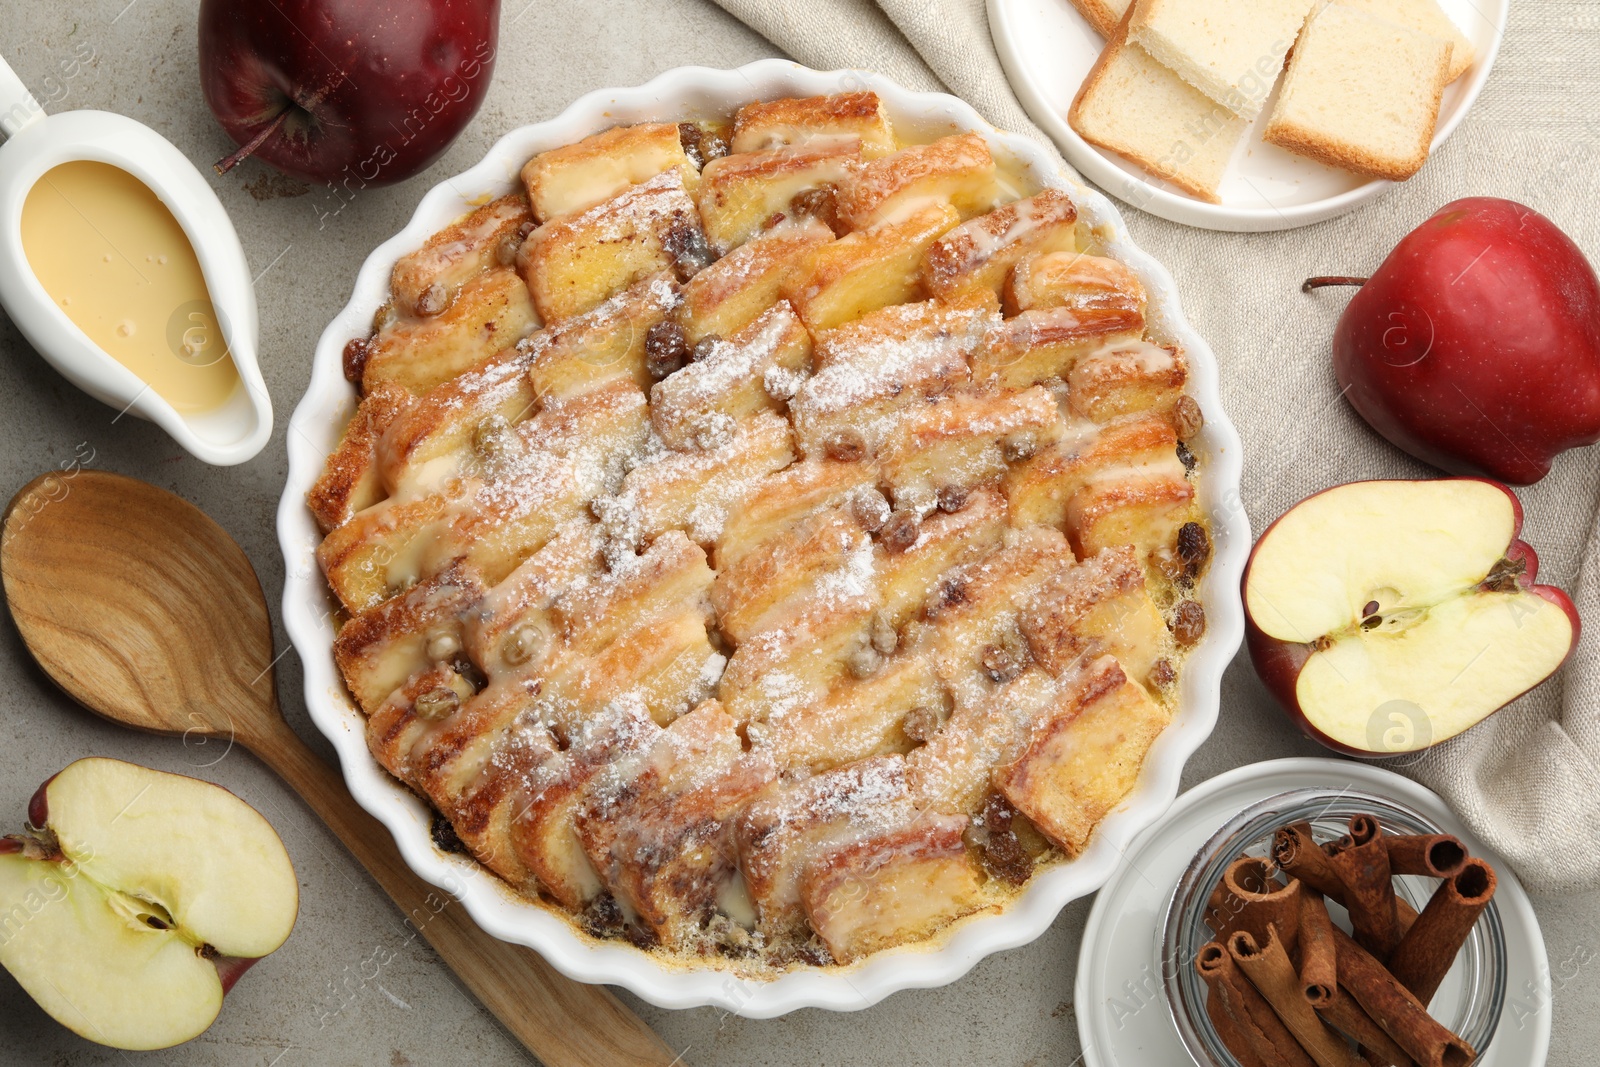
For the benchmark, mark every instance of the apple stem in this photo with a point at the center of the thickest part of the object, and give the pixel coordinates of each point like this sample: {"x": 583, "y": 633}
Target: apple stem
{"x": 1336, "y": 279}
{"x": 223, "y": 166}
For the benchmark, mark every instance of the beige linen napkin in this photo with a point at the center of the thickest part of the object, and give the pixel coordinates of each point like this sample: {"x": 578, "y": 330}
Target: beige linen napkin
{"x": 928, "y": 45}
{"x": 1528, "y": 780}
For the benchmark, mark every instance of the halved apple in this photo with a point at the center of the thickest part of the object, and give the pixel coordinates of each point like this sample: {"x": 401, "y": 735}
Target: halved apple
{"x": 1388, "y": 616}
{"x": 137, "y": 899}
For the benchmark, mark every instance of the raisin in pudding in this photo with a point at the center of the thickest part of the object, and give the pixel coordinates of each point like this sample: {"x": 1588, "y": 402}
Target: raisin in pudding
{"x": 766, "y": 540}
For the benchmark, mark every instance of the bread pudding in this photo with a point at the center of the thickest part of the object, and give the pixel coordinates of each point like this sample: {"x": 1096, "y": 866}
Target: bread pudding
{"x": 768, "y": 539}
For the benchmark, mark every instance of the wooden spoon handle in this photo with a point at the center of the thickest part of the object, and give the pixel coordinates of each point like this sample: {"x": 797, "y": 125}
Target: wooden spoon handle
{"x": 564, "y": 1023}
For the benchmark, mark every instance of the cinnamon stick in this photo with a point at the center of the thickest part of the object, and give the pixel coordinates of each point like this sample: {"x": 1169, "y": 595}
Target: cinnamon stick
{"x": 1296, "y": 853}
{"x": 1222, "y": 1019}
{"x": 1250, "y": 898}
{"x": 1256, "y": 1026}
{"x": 1268, "y": 968}
{"x": 1394, "y": 1008}
{"x": 1363, "y": 868}
{"x": 1377, "y": 1047}
{"x": 1319, "y": 971}
{"x": 1428, "y": 950}
{"x": 1425, "y": 855}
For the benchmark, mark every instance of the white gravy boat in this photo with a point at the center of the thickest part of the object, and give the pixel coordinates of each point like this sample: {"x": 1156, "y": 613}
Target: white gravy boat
{"x": 232, "y": 432}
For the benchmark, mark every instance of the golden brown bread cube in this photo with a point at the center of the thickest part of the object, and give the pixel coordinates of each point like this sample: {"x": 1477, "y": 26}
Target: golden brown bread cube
{"x": 867, "y": 270}
{"x": 1127, "y": 379}
{"x": 742, "y": 194}
{"x": 378, "y": 650}
{"x": 829, "y": 555}
{"x": 512, "y": 634}
{"x": 972, "y": 634}
{"x": 782, "y": 830}
{"x": 500, "y": 523}
{"x": 1040, "y": 486}
{"x": 951, "y": 772}
{"x": 671, "y": 576}
{"x": 911, "y": 576}
{"x": 1100, "y": 607}
{"x": 889, "y": 333}
{"x": 1084, "y": 756}
{"x": 1066, "y": 278}
{"x": 545, "y": 837}
{"x": 352, "y": 479}
{"x": 890, "y": 888}
{"x": 400, "y": 728}
{"x": 575, "y": 263}
{"x": 869, "y": 373}
{"x": 578, "y": 176}
{"x": 491, "y": 312}
{"x": 963, "y": 438}
{"x": 978, "y": 256}
{"x": 491, "y": 524}
{"x": 544, "y": 828}
{"x": 602, "y": 432}
{"x": 859, "y": 719}
{"x": 1143, "y": 509}
{"x": 957, "y": 171}
{"x": 731, "y": 380}
{"x": 787, "y": 498}
{"x": 435, "y": 436}
{"x": 664, "y": 841}
{"x": 696, "y": 491}
{"x": 666, "y": 665}
{"x": 378, "y": 550}
{"x": 603, "y": 344}
{"x": 425, "y": 282}
{"x": 1037, "y": 346}
{"x": 734, "y": 291}
{"x": 777, "y": 670}
{"x": 769, "y": 124}
{"x": 491, "y": 729}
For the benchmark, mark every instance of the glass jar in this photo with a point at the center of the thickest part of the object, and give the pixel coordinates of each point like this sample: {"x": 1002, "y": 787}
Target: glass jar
{"x": 1469, "y": 1000}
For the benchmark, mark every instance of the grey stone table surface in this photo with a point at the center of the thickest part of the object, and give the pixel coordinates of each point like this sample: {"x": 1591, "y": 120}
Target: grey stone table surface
{"x": 314, "y": 1001}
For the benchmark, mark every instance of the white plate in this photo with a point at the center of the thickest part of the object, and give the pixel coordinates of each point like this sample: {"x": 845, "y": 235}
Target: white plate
{"x": 307, "y": 604}
{"x": 1123, "y": 1018}
{"x": 1047, "y": 49}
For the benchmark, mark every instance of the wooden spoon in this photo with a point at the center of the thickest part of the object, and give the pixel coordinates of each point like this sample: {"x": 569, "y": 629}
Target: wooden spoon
{"x": 146, "y": 612}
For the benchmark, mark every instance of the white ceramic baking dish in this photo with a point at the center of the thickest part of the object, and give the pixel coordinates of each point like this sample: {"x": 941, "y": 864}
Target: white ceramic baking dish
{"x": 689, "y": 92}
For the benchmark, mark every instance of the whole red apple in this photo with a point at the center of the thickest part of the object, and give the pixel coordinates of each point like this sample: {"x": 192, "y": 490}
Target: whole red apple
{"x": 1476, "y": 345}
{"x": 1389, "y": 616}
{"x": 355, "y": 92}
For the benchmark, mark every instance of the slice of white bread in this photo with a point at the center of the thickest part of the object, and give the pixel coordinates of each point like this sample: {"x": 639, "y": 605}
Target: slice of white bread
{"x": 1362, "y": 94}
{"x": 1103, "y": 15}
{"x": 1424, "y": 16}
{"x": 1231, "y": 50}
{"x": 1132, "y": 105}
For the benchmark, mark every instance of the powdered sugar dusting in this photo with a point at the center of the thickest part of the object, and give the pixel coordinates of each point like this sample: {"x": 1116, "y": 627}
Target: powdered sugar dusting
{"x": 700, "y": 751}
